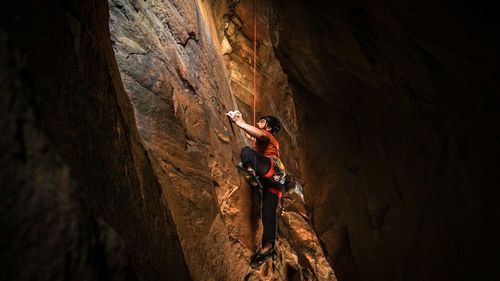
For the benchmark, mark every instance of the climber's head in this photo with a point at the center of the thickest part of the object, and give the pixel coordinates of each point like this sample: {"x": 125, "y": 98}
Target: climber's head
{"x": 269, "y": 123}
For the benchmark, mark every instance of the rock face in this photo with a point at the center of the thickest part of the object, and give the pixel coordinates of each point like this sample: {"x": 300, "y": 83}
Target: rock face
{"x": 72, "y": 90}
{"x": 155, "y": 160}
{"x": 120, "y": 158}
{"x": 48, "y": 232}
{"x": 170, "y": 58}
{"x": 396, "y": 108}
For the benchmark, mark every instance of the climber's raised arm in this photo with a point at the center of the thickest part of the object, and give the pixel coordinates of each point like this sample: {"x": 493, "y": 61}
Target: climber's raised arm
{"x": 249, "y": 129}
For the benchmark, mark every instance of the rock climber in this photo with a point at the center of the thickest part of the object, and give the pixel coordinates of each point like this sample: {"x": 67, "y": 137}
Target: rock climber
{"x": 264, "y": 168}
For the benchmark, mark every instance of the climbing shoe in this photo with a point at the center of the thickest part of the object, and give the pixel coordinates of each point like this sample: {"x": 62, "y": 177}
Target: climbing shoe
{"x": 249, "y": 176}
{"x": 259, "y": 258}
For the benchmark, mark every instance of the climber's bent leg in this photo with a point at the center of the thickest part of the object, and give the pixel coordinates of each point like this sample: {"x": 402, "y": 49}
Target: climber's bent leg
{"x": 258, "y": 162}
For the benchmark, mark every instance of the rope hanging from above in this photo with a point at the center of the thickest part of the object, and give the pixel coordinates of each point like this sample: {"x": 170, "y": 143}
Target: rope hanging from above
{"x": 254, "y": 55}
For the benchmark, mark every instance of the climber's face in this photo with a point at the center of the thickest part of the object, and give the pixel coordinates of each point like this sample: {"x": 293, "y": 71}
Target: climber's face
{"x": 262, "y": 124}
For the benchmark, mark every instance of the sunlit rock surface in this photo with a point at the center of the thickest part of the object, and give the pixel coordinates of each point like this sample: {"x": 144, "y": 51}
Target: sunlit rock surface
{"x": 170, "y": 56}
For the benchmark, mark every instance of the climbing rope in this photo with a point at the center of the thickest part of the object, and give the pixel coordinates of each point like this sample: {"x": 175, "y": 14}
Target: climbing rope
{"x": 254, "y": 55}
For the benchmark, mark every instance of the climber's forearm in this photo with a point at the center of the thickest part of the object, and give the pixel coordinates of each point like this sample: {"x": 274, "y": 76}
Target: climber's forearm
{"x": 251, "y": 130}
{"x": 249, "y": 137}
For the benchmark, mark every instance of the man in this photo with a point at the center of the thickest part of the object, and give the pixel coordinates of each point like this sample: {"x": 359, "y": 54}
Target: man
{"x": 263, "y": 164}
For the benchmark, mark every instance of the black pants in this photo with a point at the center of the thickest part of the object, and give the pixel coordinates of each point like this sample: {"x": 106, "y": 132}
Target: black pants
{"x": 269, "y": 206}
{"x": 261, "y": 165}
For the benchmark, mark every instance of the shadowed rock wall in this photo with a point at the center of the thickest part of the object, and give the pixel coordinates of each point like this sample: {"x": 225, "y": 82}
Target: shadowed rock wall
{"x": 396, "y": 108}
{"x": 389, "y": 114}
{"x": 74, "y": 91}
{"x": 47, "y": 231}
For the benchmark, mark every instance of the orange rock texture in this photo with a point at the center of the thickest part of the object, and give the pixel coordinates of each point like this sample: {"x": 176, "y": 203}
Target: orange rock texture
{"x": 118, "y": 162}
{"x": 184, "y": 65}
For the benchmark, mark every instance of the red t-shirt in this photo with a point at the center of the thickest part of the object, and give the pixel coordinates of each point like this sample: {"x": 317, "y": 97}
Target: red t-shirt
{"x": 270, "y": 147}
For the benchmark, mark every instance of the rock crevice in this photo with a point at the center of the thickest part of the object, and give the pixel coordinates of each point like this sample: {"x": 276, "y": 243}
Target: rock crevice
{"x": 119, "y": 160}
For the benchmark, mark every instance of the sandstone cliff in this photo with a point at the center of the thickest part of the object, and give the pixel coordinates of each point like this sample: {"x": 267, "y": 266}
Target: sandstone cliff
{"x": 118, "y": 160}
{"x": 170, "y": 58}
{"x": 401, "y": 99}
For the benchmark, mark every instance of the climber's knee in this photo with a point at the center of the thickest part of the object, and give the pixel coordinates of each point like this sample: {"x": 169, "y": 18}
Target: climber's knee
{"x": 246, "y": 153}
{"x": 246, "y": 150}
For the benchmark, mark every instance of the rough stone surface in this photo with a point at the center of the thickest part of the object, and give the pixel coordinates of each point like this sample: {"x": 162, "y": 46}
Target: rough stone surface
{"x": 71, "y": 72}
{"x": 171, "y": 64}
{"x": 115, "y": 144}
{"x": 396, "y": 108}
{"x": 47, "y": 232}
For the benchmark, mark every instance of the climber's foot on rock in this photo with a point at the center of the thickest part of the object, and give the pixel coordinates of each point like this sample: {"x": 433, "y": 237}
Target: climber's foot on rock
{"x": 249, "y": 176}
{"x": 260, "y": 257}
